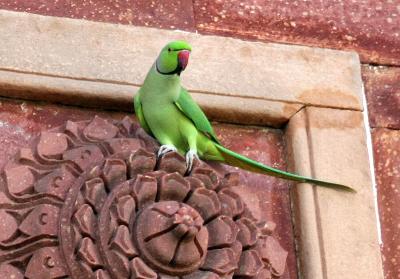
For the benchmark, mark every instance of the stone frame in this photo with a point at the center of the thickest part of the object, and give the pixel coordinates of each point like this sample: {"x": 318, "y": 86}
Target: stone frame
{"x": 317, "y": 92}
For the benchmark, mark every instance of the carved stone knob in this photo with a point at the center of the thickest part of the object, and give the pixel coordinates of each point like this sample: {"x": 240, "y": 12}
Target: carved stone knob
{"x": 171, "y": 237}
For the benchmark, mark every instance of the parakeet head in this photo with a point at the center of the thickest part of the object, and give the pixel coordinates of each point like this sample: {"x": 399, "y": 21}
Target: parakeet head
{"x": 173, "y": 58}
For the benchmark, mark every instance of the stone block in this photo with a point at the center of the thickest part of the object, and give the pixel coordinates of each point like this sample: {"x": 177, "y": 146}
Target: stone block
{"x": 387, "y": 168}
{"x": 382, "y": 88}
{"x": 338, "y": 232}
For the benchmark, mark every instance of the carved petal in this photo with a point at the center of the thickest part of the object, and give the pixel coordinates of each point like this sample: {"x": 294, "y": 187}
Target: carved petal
{"x": 56, "y": 183}
{"x": 141, "y": 162}
{"x": 220, "y": 261}
{"x": 145, "y": 189}
{"x": 141, "y": 271}
{"x": 43, "y": 220}
{"x": 122, "y": 242}
{"x": 114, "y": 172}
{"x": 8, "y": 225}
{"x": 232, "y": 204}
{"x": 11, "y": 271}
{"x": 237, "y": 249}
{"x": 173, "y": 162}
{"x": 85, "y": 219}
{"x": 88, "y": 252}
{"x": 94, "y": 192}
{"x": 100, "y": 129}
{"x": 20, "y": 180}
{"x": 173, "y": 187}
{"x": 208, "y": 176}
{"x": 205, "y": 202}
{"x": 120, "y": 145}
{"x": 163, "y": 247}
{"x": 125, "y": 208}
{"x": 84, "y": 156}
{"x": 248, "y": 232}
{"x": 52, "y": 145}
{"x": 188, "y": 253}
{"x": 222, "y": 231}
{"x": 250, "y": 264}
{"x": 194, "y": 183}
{"x": 272, "y": 252}
{"x": 120, "y": 264}
{"x": 45, "y": 261}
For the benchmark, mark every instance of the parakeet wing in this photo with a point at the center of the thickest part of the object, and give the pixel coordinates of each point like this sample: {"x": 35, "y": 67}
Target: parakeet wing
{"x": 192, "y": 111}
{"x": 139, "y": 113}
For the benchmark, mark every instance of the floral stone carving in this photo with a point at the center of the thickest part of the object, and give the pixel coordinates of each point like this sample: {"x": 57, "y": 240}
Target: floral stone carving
{"x": 90, "y": 200}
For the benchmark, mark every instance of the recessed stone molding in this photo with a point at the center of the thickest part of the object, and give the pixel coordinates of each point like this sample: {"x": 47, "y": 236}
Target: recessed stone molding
{"x": 337, "y": 231}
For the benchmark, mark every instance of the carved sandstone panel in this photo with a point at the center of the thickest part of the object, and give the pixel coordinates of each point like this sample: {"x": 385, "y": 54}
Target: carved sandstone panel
{"x": 90, "y": 200}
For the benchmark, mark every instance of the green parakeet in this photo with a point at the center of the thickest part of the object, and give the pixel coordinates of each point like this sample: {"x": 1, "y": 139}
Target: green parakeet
{"x": 167, "y": 111}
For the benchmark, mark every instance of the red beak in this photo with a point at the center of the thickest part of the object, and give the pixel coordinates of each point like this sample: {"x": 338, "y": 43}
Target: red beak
{"x": 183, "y": 58}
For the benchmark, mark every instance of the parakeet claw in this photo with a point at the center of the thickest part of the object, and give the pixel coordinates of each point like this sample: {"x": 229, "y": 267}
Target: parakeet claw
{"x": 190, "y": 155}
{"x": 164, "y": 149}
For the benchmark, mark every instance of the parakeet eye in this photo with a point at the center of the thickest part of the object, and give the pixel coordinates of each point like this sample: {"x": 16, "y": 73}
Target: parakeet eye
{"x": 169, "y": 49}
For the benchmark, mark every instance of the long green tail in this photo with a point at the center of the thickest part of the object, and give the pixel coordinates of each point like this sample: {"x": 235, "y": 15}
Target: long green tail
{"x": 237, "y": 160}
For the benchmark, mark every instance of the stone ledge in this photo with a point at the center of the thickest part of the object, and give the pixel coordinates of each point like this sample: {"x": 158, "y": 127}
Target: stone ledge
{"x": 116, "y": 96}
{"x": 121, "y": 56}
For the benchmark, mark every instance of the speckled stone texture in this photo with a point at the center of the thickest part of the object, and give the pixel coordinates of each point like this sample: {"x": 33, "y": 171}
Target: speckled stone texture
{"x": 267, "y": 197}
{"x": 21, "y": 121}
{"x": 382, "y": 87}
{"x": 387, "y": 166}
{"x": 368, "y": 27}
{"x": 257, "y": 144}
{"x": 177, "y": 14}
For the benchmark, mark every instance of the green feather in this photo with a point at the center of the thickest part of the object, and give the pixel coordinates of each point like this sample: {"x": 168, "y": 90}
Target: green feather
{"x": 192, "y": 110}
{"x": 237, "y": 160}
{"x": 139, "y": 113}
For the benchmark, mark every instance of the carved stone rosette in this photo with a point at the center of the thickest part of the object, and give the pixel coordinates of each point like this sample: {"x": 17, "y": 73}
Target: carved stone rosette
{"x": 90, "y": 200}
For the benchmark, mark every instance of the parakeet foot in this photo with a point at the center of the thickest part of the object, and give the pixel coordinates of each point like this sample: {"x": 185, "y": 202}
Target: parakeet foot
{"x": 190, "y": 156}
{"x": 164, "y": 149}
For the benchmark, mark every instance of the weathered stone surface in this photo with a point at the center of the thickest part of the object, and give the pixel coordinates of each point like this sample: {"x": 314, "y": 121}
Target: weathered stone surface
{"x": 99, "y": 199}
{"x": 247, "y": 111}
{"x": 177, "y": 14}
{"x": 368, "y": 27}
{"x": 119, "y": 96}
{"x": 276, "y": 200}
{"x": 20, "y": 121}
{"x": 387, "y": 168}
{"x": 338, "y": 235}
{"x": 106, "y": 53}
{"x": 382, "y": 88}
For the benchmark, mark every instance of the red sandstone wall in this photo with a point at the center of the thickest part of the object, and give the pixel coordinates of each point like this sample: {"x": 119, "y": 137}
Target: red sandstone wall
{"x": 371, "y": 28}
